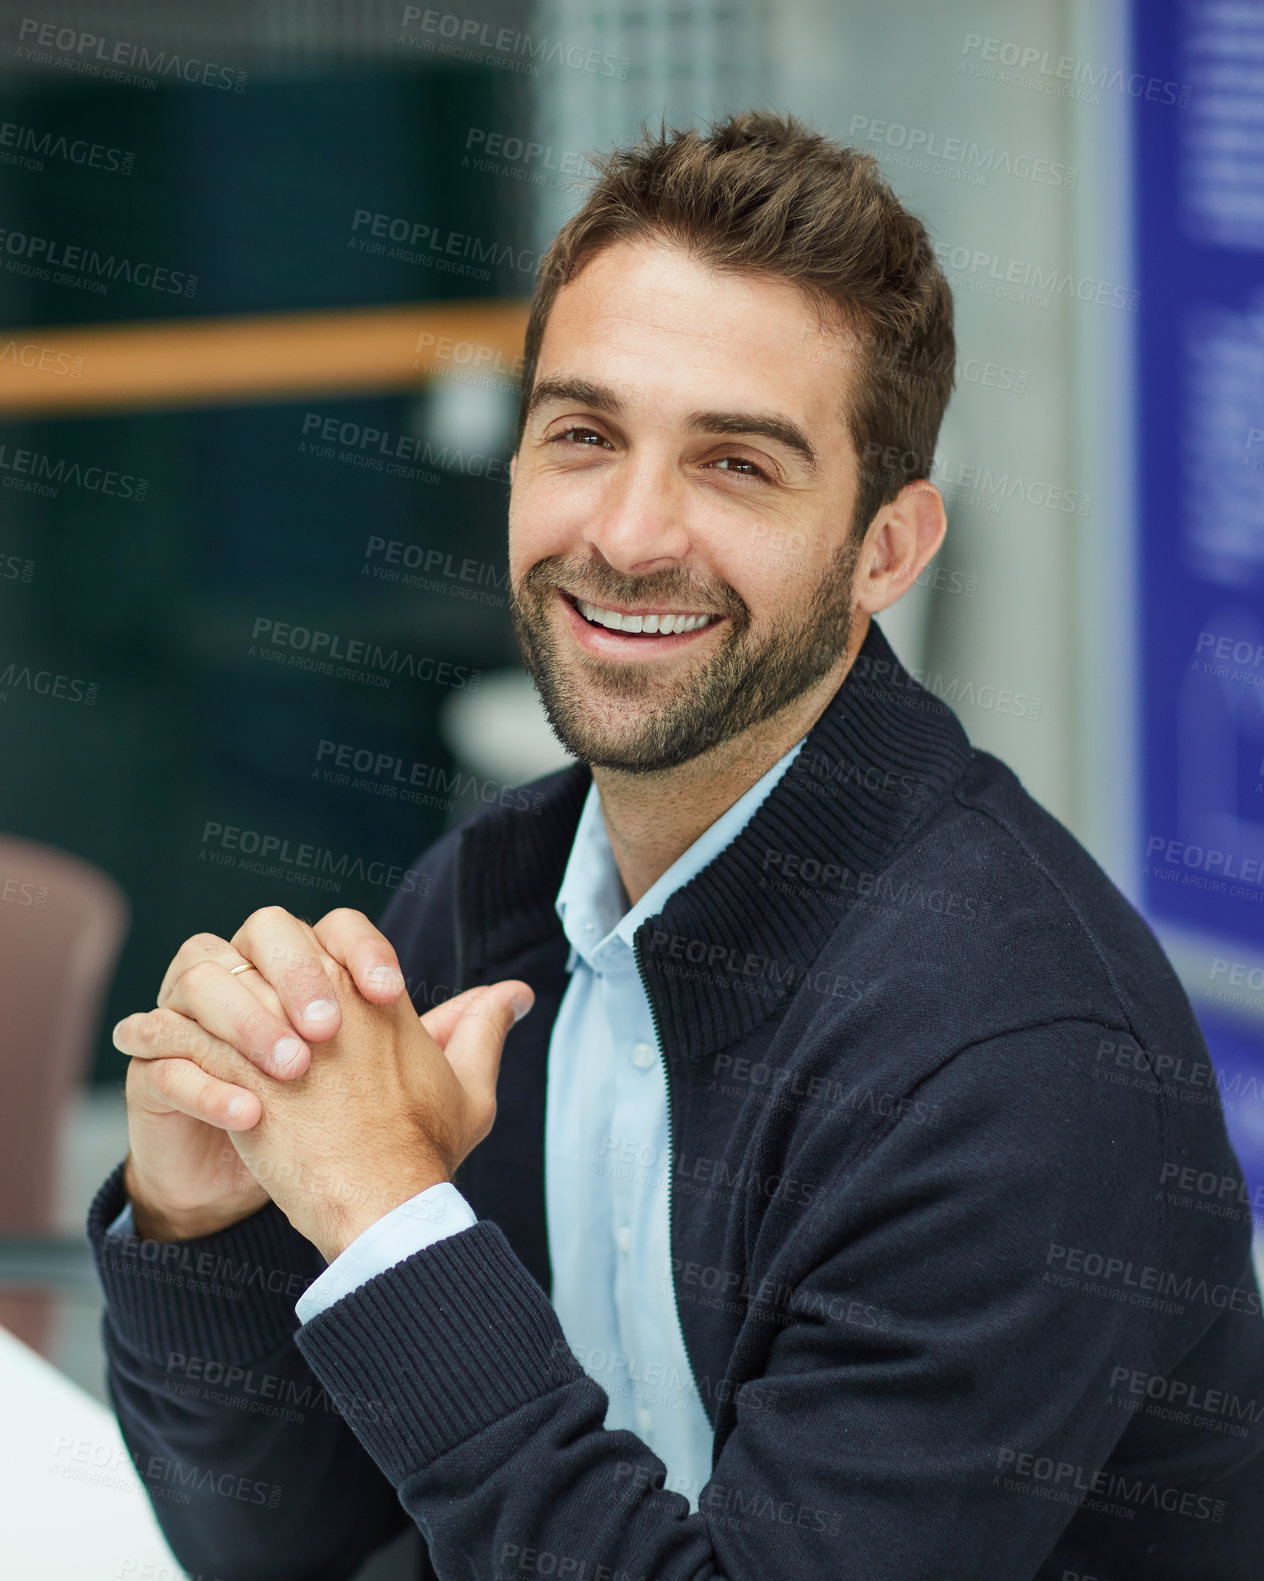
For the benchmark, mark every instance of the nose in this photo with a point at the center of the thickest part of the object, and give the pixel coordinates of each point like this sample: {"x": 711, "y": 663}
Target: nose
{"x": 641, "y": 521}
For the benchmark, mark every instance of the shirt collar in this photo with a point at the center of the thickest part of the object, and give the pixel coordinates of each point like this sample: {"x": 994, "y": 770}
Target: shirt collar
{"x": 591, "y": 900}
{"x": 877, "y": 764}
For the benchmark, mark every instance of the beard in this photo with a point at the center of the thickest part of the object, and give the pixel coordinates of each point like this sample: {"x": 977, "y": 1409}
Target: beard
{"x": 626, "y": 716}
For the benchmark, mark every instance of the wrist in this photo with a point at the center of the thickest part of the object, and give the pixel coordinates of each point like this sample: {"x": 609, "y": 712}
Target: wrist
{"x": 156, "y": 1220}
{"x": 350, "y": 1221}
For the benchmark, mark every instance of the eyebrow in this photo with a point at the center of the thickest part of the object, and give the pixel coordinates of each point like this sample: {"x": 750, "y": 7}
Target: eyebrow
{"x": 602, "y": 398}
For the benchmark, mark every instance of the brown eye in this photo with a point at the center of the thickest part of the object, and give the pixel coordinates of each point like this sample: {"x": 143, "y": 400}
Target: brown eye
{"x": 741, "y": 461}
{"x": 566, "y": 433}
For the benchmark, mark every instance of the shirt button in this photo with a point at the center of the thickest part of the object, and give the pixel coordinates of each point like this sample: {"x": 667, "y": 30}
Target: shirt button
{"x": 623, "y": 1238}
{"x": 643, "y": 1419}
{"x": 642, "y": 1055}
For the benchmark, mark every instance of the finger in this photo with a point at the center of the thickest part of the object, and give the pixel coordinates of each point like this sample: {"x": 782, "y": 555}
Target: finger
{"x": 230, "y": 1009}
{"x": 165, "y": 1034}
{"x": 289, "y": 955}
{"x": 201, "y": 947}
{"x": 441, "y": 1021}
{"x": 474, "y": 1047}
{"x": 210, "y": 947}
{"x": 352, "y": 940}
{"x": 165, "y": 1086}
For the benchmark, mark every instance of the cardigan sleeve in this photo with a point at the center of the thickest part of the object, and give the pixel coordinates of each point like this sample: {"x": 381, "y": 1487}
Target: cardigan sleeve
{"x": 251, "y": 1466}
{"x": 935, "y": 1390}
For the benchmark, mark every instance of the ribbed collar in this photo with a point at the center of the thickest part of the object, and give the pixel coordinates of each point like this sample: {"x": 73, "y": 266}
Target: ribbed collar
{"x": 733, "y": 943}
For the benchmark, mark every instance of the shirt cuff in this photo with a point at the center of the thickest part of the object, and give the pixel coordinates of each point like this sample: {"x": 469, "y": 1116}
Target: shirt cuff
{"x": 430, "y": 1216}
{"x": 125, "y": 1224}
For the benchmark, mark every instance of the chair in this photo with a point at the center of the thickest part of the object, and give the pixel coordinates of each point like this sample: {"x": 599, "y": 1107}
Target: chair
{"x": 62, "y": 925}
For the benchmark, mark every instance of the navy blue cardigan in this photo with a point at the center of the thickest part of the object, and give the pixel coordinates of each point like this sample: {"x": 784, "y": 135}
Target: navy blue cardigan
{"x": 939, "y": 1112}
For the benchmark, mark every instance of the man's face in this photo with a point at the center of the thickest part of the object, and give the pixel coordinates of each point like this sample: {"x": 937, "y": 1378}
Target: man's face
{"x": 687, "y": 455}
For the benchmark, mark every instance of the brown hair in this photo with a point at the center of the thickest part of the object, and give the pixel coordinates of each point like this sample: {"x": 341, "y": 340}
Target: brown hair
{"x": 762, "y": 194}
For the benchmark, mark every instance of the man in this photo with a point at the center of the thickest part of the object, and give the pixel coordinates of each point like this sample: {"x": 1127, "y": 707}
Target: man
{"x": 843, "y": 1129}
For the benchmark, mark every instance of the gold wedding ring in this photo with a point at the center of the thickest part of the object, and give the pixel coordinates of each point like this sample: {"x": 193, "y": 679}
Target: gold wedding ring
{"x": 246, "y": 966}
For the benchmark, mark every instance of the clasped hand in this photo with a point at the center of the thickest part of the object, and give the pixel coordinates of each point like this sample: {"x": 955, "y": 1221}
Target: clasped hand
{"x": 340, "y": 1102}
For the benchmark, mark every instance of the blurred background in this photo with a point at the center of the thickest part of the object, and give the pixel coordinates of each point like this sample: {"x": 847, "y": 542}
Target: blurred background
{"x": 263, "y": 278}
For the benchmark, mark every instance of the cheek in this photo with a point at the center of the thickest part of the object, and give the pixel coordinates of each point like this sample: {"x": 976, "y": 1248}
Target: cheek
{"x": 539, "y": 527}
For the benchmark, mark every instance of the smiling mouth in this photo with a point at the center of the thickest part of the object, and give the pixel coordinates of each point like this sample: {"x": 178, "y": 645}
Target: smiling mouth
{"x": 641, "y": 623}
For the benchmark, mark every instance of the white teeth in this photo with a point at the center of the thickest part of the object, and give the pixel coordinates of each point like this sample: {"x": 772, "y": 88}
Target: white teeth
{"x": 664, "y": 625}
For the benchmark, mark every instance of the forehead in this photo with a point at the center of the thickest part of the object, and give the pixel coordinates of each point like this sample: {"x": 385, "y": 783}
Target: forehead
{"x": 667, "y": 329}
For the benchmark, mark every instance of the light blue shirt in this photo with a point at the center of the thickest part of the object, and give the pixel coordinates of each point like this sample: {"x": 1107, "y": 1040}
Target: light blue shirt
{"x": 607, "y": 1161}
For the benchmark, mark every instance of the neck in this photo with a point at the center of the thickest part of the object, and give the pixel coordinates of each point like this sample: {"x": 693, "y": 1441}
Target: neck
{"x": 653, "y": 819}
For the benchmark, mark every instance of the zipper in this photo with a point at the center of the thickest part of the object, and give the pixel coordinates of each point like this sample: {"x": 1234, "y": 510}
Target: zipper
{"x": 671, "y": 1151}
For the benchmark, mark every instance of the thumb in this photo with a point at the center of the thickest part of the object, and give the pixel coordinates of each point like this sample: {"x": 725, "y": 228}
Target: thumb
{"x": 474, "y": 1046}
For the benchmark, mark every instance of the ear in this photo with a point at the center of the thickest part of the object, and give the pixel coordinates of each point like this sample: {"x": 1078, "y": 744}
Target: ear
{"x": 902, "y": 539}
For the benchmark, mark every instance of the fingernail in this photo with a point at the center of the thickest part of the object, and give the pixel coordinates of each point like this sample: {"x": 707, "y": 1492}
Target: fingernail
{"x": 286, "y": 1054}
{"x": 236, "y": 1109}
{"x": 320, "y": 1010}
{"x": 385, "y": 977}
{"x": 521, "y": 1004}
